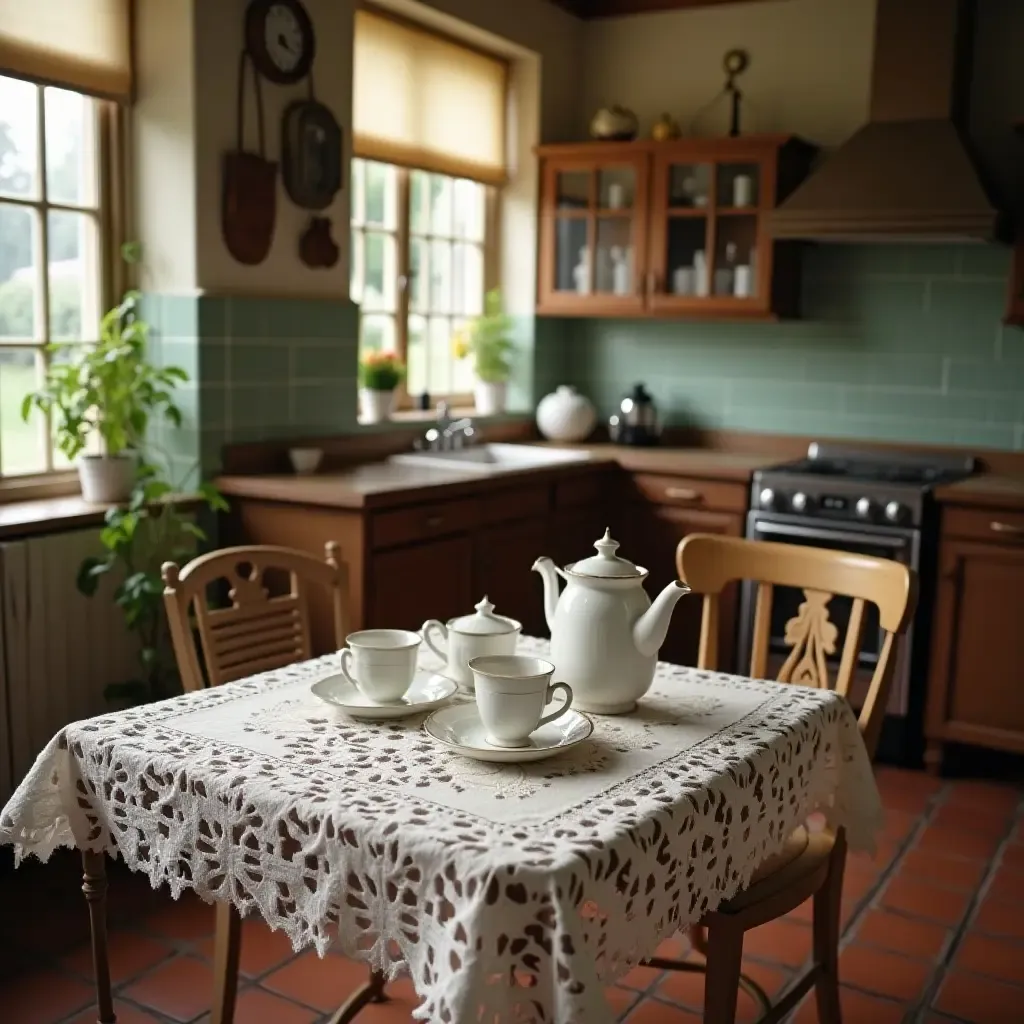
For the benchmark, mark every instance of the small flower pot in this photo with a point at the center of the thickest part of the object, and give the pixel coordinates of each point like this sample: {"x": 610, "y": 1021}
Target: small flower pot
{"x": 377, "y": 406}
{"x": 106, "y": 479}
{"x": 490, "y": 397}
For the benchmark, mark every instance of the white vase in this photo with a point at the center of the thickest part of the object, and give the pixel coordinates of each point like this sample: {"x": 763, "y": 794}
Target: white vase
{"x": 106, "y": 479}
{"x": 565, "y": 415}
{"x": 377, "y": 406}
{"x": 489, "y": 397}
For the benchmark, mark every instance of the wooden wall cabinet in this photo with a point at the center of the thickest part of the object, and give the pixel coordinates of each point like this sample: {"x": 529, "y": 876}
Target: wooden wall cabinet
{"x": 975, "y": 694}
{"x": 671, "y": 229}
{"x": 1015, "y": 295}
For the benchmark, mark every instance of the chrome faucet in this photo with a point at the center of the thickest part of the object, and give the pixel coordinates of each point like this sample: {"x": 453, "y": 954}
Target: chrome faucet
{"x": 448, "y": 434}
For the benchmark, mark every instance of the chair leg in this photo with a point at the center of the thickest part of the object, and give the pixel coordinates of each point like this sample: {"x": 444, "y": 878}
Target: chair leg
{"x": 722, "y": 980}
{"x": 227, "y": 947}
{"x": 94, "y": 886}
{"x": 828, "y": 902}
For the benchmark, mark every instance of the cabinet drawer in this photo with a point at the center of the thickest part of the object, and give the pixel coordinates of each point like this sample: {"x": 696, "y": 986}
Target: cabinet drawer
{"x": 996, "y": 525}
{"x": 421, "y": 522}
{"x": 690, "y": 492}
{"x": 508, "y": 504}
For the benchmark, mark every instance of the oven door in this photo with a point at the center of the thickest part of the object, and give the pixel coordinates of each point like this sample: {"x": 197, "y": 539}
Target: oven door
{"x": 898, "y": 544}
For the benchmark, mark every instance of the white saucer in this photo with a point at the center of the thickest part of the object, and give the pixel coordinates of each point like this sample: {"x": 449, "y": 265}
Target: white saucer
{"x": 459, "y": 729}
{"x": 428, "y": 690}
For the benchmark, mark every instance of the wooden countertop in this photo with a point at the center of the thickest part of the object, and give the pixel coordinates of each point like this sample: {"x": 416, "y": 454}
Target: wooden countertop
{"x": 987, "y": 490}
{"x": 380, "y": 484}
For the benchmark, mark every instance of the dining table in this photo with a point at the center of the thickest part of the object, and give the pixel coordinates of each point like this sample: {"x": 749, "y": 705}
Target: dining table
{"x": 507, "y": 892}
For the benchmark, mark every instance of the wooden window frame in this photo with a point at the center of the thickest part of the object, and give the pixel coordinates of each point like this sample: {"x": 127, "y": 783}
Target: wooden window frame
{"x": 403, "y": 234}
{"x": 108, "y": 214}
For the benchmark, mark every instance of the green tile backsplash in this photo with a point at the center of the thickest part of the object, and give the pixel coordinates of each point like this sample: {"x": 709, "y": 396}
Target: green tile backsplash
{"x": 896, "y": 343}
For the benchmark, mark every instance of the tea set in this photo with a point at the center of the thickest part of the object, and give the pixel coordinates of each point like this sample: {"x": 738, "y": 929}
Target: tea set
{"x": 605, "y": 638}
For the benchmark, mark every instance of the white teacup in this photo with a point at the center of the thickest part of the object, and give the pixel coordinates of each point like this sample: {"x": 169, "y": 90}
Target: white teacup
{"x": 381, "y": 663}
{"x": 512, "y": 691}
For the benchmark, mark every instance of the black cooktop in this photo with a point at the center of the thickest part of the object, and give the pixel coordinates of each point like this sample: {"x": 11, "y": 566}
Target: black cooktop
{"x": 880, "y": 472}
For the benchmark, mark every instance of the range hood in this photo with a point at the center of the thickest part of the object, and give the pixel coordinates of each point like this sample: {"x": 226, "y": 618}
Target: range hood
{"x": 907, "y": 175}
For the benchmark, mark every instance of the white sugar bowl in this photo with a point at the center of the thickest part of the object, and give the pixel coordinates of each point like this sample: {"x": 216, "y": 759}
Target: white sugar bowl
{"x": 566, "y": 415}
{"x": 471, "y": 636}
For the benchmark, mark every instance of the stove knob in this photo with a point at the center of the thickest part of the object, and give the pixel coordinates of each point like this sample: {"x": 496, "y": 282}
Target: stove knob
{"x": 894, "y": 511}
{"x": 766, "y": 498}
{"x": 865, "y": 508}
{"x": 801, "y": 503}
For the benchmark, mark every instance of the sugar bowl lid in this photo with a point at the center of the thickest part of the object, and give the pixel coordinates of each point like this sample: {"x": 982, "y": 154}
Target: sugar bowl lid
{"x": 606, "y": 563}
{"x": 483, "y": 622}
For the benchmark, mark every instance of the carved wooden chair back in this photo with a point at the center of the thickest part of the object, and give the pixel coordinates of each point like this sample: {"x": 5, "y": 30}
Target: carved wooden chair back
{"x": 258, "y": 631}
{"x": 708, "y": 563}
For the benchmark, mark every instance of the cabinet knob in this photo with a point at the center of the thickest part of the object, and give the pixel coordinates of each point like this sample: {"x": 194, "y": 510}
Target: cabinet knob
{"x": 682, "y": 494}
{"x": 434, "y": 521}
{"x": 1006, "y": 528}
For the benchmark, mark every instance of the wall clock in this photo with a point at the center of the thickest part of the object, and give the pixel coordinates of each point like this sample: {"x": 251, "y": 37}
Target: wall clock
{"x": 279, "y": 37}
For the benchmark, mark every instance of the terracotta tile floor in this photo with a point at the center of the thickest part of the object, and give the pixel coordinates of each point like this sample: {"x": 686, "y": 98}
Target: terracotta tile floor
{"x": 934, "y": 934}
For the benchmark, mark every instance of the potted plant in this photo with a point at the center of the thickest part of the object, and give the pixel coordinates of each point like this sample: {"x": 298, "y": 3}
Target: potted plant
{"x": 379, "y": 374}
{"x": 486, "y": 340}
{"x": 104, "y": 396}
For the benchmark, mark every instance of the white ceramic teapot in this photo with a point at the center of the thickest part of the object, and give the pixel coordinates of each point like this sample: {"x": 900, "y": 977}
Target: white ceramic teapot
{"x": 605, "y": 633}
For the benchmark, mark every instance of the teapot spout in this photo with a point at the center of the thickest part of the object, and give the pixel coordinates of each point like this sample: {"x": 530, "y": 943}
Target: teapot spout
{"x": 650, "y": 630}
{"x": 549, "y": 574}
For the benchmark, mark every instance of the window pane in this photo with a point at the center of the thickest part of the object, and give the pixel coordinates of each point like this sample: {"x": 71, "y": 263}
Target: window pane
{"x": 18, "y": 277}
{"x": 377, "y": 333}
{"x": 440, "y": 205}
{"x": 381, "y": 271}
{"x": 468, "y": 279}
{"x": 19, "y": 139}
{"x": 419, "y": 269}
{"x": 440, "y": 276}
{"x": 468, "y": 199}
{"x": 381, "y": 195}
{"x": 462, "y": 369}
{"x": 22, "y": 445}
{"x": 439, "y": 360}
{"x": 357, "y": 268}
{"x": 70, "y": 148}
{"x": 358, "y": 190}
{"x": 416, "y": 358}
{"x": 73, "y": 276}
{"x": 419, "y": 202}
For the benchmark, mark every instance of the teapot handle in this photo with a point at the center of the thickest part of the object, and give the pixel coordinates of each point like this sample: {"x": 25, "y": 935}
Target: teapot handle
{"x": 425, "y": 631}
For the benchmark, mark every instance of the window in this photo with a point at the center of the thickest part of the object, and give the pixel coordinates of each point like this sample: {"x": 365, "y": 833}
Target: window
{"x": 429, "y": 141}
{"x": 419, "y": 252}
{"x": 50, "y": 261}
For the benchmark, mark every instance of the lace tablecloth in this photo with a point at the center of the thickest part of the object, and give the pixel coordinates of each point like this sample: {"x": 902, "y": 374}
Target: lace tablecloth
{"x": 508, "y": 892}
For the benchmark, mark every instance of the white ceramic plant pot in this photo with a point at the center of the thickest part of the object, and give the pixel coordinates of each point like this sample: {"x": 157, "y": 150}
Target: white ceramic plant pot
{"x": 565, "y": 415}
{"x": 106, "y": 479}
{"x": 489, "y": 397}
{"x": 377, "y": 406}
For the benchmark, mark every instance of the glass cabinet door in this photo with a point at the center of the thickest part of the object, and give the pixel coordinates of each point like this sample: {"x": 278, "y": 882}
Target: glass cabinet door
{"x": 594, "y": 232}
{"x": 688, "y": 204}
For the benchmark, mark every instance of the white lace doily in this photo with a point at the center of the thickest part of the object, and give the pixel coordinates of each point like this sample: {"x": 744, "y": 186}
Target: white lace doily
{"x": 509, "y": 892}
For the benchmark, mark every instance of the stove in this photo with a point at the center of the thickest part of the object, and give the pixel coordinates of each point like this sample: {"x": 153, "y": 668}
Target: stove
{"x": 870, "y": 503}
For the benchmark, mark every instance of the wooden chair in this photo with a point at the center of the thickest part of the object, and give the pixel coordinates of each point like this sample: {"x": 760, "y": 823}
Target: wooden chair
{"x": 811, "y": 864}
{"x": 257, "y": 632}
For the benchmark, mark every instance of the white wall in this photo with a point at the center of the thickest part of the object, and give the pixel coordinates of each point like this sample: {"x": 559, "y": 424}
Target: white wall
{"x": 809, "y": 73}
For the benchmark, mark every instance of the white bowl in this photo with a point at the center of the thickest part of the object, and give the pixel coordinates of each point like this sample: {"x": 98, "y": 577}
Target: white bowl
{"x": 305, "y": 460}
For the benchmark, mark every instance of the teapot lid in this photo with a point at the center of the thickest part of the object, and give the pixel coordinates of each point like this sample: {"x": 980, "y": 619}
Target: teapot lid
{"x": 606, "y": 563}
{"x": 482, "y": 622}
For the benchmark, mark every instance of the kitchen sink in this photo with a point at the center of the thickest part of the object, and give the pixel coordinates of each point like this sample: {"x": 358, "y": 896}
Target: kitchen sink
{"x": 491, "y": 458}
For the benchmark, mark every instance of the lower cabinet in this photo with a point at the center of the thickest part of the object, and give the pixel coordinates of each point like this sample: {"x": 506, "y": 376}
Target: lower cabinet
{"x": 503, "y": 557}
{"x": 653, "y": 532}
{"x": 975, "y": 694}
{"x": 409, "y": 585}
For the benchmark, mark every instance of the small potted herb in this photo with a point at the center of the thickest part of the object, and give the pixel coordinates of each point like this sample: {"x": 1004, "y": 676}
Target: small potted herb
{"x": 379, "y": 374}
{"x": 105, "y": 396}
{"x": 486, "y": 341}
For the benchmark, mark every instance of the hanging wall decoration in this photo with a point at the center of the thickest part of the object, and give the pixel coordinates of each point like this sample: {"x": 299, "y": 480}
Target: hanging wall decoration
{"x": 311, "y": 153}
{"x": 317, "y": 249}
{"x": 249, "y": 184}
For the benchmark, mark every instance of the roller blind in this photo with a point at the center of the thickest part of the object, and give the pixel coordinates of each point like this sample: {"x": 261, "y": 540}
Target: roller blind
{"x": 421, "y": 100}
{"x": 80, "y": 44}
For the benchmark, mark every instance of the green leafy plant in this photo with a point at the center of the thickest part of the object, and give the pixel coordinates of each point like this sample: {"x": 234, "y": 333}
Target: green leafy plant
{"x": 381, "y": 371}
{"x": 486, "y": 340}
{"x": 109, "y": 390}
{"x": 154, "y": 527}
